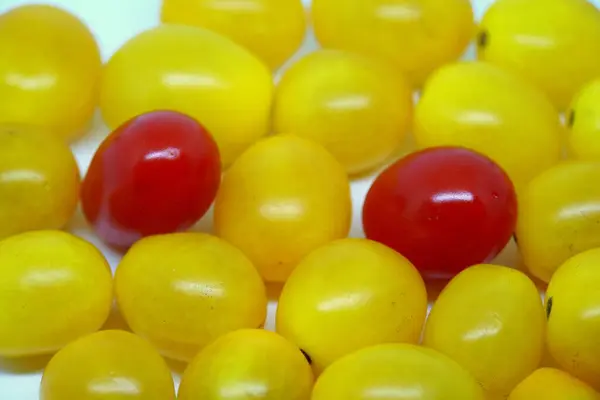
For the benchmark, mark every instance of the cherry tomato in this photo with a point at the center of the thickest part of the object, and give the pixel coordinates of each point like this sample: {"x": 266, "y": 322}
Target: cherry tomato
{"x": 555, "y": 44}
{"x": 552, "y": 384}
{"x": 271, "y": 29}
{"x": 49, "y": 69}
{"x": 583, "y": 120}
{"x": 358, "y": 109}
{"x": 443, "y": 208}
{"x": 107, "y": 365}
{"x": 193, "y": 71}
{"x": 183, "y": 290}
{"x": 54, "y": 288}
{"x": 222, "y": 371}
{"x": 284, "y": 197}
{"x": 157, "y": 173}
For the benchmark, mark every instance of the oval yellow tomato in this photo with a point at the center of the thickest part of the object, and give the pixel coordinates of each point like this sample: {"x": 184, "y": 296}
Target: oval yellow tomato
{"x": 396, "y": 371}
{"x": 193, "y": 71}
{"x": 183, "y": 290}
{"x": 271, "y": 29}
{"x": 491, "y": 321}
{"x": 583, "y": 120}
{"x": 107, "y": 365}
{"x": 552, "y": 384}
{"x": 351, "y": 294}
{"x": 248, "y": 363}
{"x": 282, "y": 198}
{"x": 49, "y": 70}
{"x": 359, "y": 109}
{"x": 555, "y": 44}
{"x": 54, "y": 288}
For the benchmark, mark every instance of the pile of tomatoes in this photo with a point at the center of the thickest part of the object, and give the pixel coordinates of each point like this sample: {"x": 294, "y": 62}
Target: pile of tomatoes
{"x": 505, "y": 147}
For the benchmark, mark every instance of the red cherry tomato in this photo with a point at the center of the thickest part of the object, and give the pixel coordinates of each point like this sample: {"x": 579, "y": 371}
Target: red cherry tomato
{"x": 443, "y": 208}
{"x": 157, "y": 173}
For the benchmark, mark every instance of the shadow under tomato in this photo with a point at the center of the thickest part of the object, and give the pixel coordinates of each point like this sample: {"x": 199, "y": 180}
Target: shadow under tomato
{"x": 24, "y": 365}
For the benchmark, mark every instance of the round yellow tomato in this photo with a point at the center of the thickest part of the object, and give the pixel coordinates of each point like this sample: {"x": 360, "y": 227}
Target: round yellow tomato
{"x": 396, "y": 371}
{"x": 559, "y": 216}
{"x": 271, "y": 29}
{"x": 49, "y": 70}
{"x": 418, "y": 36}
{"x": 54, "y": 288}
{"x": 489, "y": 319}
{"x": 555, "y": 44}
{"x": 492, "y": 111}
{"x": 350, "y": 294}
{"x": 282, "y": 198}
{"x": 583, "y": 120}
{"x": 275, "y": 368}
{"x": 183, "y": 290}
{"x": 357, "y": 108}
{"x": 107, "y": 365}
{"x": 552, "y": 384}
{"x": 194, "y": 71}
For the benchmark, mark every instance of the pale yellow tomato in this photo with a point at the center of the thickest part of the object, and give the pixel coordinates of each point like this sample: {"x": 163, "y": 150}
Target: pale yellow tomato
{"x": 271, "y": 29}
{"x": 359, "y": 109}
{"x": 183, "y": 290}
{"x": 583, "y": 120}
{"x": 49, "y": 70}
{"x": 489, "y": 319}
{"x": 54, "y": 288}
{"x": 553, "y": 43}
{"x": 248, "y": 364}
{"x": 552, "y": 384}
{"x": 194, "y": 71}
{"x": 396, "y": 372}
{"x": 492, "y": 111}
{"x": 351, "y": 294}
{"x": 418, "y": 36}
{"x": 282, "y": 198}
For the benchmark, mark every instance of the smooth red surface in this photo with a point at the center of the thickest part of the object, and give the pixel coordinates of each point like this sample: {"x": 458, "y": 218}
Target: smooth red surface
{"x": 157, "y": 173}
{"x": 443, "y": 208}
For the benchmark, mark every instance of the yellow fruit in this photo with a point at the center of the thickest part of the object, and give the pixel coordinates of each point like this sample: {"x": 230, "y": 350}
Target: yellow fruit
{"x": 552, "y": 384}
{"x": 284, "y": 197}
{"x": 359, "y": 109}
{"x": 583, "y": 120}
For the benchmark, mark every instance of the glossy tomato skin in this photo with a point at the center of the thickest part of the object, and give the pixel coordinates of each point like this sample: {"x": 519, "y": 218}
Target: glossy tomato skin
{"x": 444, "y": 208}
{"x": 157, "y": 173}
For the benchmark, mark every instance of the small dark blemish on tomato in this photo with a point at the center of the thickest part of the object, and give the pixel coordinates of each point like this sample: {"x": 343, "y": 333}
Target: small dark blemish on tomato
{"x": 571, "y": 119}
{"x": 306, "y": 356}
{"x": 482, "y": 39}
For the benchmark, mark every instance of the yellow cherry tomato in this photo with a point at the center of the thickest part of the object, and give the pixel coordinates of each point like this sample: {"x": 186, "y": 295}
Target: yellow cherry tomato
{"x": 357, "y": 108}
{"x": 583, "y": 120}
{"x": 418, "y": 36}
{"x": 350, "y": 294}
{"x": 194, "y": 71}
{"x": 396, "y": 371}
{"x": 552, "y": 384}
{"x": 489, "y": 319}
{"x": 553, "y": 43}
{"x": 559, "y": 216}
{"x": 492, "y": 111}
{"x": 271, "y": 29}
{"x": 183, "y": 290}
{"x": 107, "y": 365}
{"x": 248, "y": 364}
{"x": 54, "y": 288}
{"x": 49, "y": 70}
{"x": 282, "y": 198}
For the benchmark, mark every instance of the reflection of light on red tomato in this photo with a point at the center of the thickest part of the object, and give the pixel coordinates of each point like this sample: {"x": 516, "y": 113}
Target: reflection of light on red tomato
{"x": 157, "y": 173}
{"x": 443, "y": 208}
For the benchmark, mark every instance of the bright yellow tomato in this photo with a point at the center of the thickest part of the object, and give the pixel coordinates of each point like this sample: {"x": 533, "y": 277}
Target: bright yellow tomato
{"x": 248, "y": 364}
{"x": 559, "y": 216}
{"x": 351, "y": 294}
{"x": 183, "y": 290}
{"x": 583, "y": 120}
{"x": 282, "y": 198}
{"x": 54, "y": 288}
{"x": 107, "y": 365}
{"x": 490, "y": 320}
{"x": 482, "y": 107}
{"x": 49, "y": 69}
{"x": 271, "y": 29}
{"x": 418, "y": 36}
{"x": 554, "y": 43}
{"x": 552, "y": 384}
{"x": 194, "y": 71}
{"x": 359, "y": 109}
{"x": 396, "y": 372}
